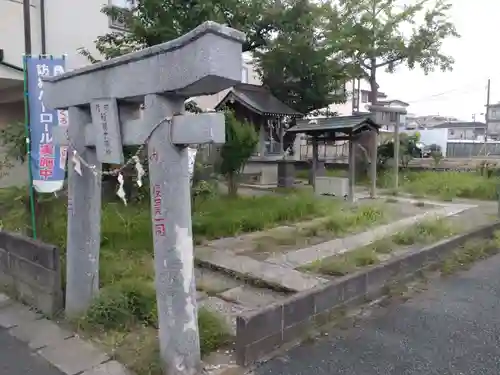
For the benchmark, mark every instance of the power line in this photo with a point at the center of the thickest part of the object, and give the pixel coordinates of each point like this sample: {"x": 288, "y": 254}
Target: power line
{"x": 448, "y": 92}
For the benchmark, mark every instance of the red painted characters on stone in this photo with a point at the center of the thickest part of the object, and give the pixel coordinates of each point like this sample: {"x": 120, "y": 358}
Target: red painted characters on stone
{"x": 158, "y": 219}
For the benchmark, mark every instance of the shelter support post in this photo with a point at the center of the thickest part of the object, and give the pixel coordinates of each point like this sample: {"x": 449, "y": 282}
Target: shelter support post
{"x": 315, "y": 157}
{"x": 352, "y": 168}
{"x": 396, "y": 156}
{"x": 373, "y": 165}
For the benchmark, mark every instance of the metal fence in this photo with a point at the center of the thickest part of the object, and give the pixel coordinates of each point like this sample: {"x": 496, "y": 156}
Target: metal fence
{"x": 469, "y": 149}
{"x": 338, "y": 152}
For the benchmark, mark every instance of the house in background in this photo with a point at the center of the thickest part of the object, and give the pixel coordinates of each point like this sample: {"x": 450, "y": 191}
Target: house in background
{"x": 428, "y": 121}
{"x": 357, "y": 93}
{"x": 464, "y": 130}
{"x": 389, "y": 121}
{"x": 494, "y": 121}
{"x": 53, "y": 32}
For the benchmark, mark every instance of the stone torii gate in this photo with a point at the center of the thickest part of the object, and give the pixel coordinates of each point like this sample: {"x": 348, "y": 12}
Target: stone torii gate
{"x": 99, "y": 99}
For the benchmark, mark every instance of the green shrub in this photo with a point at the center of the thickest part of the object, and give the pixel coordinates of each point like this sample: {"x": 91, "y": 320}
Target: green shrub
{"x": 123, "y": 305}
{"x": 213, "y": 331}
{"x": 131, "y": 303}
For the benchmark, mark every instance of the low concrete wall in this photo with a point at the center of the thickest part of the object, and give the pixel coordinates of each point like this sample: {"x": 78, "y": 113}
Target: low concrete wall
{"x": 30, "y": 270}
{"x": 260, "y": 332}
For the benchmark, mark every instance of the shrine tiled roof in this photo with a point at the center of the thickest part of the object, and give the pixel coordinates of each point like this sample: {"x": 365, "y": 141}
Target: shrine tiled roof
{"x": 341, "y": 124}
{"x": 259, "y": 100}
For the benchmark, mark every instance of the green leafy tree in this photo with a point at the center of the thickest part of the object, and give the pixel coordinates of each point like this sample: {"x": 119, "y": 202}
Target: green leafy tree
{"x": 299, "y": 65}
{"x": 241, "y": 140}
{"x": 381, "y": 34}
{"x": 408, "y": 150}
{"x": 13, "y": 140}
{"x": 152, "y": 22}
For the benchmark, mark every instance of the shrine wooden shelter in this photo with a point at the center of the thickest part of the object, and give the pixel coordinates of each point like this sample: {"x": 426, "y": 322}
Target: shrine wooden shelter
{"x": 342, "y": 128}
{"x": 271, "y": 117}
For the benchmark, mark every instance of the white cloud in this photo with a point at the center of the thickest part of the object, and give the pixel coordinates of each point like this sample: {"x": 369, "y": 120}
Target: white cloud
{"x": 462, "y": 92}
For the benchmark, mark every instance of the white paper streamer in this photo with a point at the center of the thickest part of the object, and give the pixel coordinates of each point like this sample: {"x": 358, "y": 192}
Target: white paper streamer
{"x": 139, "y": 169}
{"x": 192, "y": 158}
{"x": 77, "y": 165}
{"x": 121, "y": 191}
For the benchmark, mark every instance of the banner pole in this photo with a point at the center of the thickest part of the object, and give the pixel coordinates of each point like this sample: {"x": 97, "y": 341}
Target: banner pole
{"x": 28, "y": 147}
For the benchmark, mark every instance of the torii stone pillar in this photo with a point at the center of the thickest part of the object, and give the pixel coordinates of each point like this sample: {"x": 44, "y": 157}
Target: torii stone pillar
{"x": 202, "y": 62}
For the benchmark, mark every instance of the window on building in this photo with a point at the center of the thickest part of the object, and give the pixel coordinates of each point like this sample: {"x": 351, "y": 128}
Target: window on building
{"x": 244, "y": 74}
{"x": 364, "y": 97}
{"x": 393, "y": 117}
{"x": 126, "y": 5}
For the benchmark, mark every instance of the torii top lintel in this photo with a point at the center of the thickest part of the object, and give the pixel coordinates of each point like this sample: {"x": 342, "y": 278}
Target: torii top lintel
{"x": 204, "y": 61}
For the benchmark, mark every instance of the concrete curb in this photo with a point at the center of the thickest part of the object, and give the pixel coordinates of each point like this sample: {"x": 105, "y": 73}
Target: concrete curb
{"x": 61, "y": 348}
{"x": 260, "y": 332}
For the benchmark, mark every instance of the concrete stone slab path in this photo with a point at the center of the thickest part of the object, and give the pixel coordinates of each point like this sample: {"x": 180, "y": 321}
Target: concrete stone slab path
{"x": 272, "y": 274}
{"x": 337, "y": 246}
{"x": 31, "y": 344}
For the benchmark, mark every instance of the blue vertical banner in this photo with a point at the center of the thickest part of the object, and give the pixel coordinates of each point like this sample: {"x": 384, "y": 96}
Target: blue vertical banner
{"x": 48, "y": 160}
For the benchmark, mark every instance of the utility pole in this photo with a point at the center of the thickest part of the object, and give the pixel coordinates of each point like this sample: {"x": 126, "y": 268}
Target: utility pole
{"x": 27, "y": 27}
{"x": 487, "y": 115}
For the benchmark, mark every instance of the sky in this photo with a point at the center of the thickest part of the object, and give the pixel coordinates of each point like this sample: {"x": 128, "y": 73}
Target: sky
{"x": 462, "y": 92}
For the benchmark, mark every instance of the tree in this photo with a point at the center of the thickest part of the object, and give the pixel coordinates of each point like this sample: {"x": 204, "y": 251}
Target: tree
{"x": 152, "y": 22}
{"x": 408, "y": 150}
{"x": 299, "y": 65}
{"x": 241, "y": 140}
{"x": 380, "y": 34}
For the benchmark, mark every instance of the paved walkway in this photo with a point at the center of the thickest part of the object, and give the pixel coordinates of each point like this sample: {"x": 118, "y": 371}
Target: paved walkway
{"x": 17, "y": 359}
{"x": 31, "y": 344}
{"x": 453, "y": 328}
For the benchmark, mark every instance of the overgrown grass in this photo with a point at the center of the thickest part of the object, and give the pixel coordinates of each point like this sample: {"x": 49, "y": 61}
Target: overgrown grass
{"x": 128, "y": 309}
{"x": 344, "y": 220}
{"x": 225, "y": 217}
{"x": 443, "y": 185}
{"x": 126, "y": 239}
{"x": 470, "y": 252}
{"x": 423, "y": 233}
{"x": 127, "y": 299}
{"x": 352, "y": 220}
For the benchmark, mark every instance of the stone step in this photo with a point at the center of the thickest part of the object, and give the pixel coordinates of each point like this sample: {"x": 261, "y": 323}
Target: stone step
{"x": 272, "y": 275}
{"x": 252, "y": 297}
{"x": 228, "y": 311}
{"x": 212, "y": 282}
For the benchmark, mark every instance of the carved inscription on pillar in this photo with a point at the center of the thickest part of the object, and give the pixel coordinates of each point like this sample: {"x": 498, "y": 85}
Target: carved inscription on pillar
{"x": 106, "y": 124}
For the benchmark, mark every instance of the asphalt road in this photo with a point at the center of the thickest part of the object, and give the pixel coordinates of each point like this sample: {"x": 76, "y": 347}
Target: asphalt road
{"x": 16, "y": 359}
{"x": 452, "y": 328}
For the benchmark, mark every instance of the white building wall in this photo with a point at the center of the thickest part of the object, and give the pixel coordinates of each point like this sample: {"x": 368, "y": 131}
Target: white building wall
{"x": 12, "y": 34}
{"x": 345, "y": 109}
{"x": 70, "y": 25}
